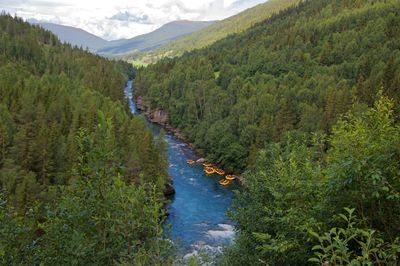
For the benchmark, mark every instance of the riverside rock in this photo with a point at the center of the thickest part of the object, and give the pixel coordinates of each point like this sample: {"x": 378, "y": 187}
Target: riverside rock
{"x": 157, "y": 115}
{"x": 201, "y": 160}
{"x": 169, "y": 187}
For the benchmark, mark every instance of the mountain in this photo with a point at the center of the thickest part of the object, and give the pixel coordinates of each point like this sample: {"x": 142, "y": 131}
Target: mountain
{"x": 152, "y": 40}
{"x": 221, "y": 29}
{"x": 74, "y": 36}
{"x": 145, "y": 42}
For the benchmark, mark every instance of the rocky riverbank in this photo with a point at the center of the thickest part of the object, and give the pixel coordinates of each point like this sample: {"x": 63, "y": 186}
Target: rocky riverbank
{"x": 169, "y": 188}
{"x": 161, "y": 117}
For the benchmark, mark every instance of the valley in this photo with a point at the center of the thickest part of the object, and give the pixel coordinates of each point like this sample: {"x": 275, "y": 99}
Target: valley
{"x": 124, "y": 47}
{"x": 197, "y": 219}
{"x": 266, "y": 137}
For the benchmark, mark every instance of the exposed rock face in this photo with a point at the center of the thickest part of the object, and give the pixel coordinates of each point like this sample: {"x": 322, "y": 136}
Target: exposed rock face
{"x": 160, "y": 117}
{"x": 139, "y": 104}
{"x": 169, "y": 188}
{"x": 157, "y": 115}
{"x": 241, "y": 179}
{"x": 201, "y": 160}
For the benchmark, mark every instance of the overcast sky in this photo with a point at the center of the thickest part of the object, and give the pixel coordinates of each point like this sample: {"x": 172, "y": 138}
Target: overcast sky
{"x": 115, "y": 19}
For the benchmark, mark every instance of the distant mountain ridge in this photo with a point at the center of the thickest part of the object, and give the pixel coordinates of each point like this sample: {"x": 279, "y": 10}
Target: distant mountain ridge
{"x": 155, "y": 39}
{"x": 143, "y": 43}
{"x": 74, "y": 36}
{"x": 219, "y": 30}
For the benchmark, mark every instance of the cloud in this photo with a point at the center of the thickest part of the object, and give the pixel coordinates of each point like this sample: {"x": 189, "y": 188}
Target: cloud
{"x": 117, "y": 19}
{"x": 246, "y": 3}
{"x": 127, "y": 16}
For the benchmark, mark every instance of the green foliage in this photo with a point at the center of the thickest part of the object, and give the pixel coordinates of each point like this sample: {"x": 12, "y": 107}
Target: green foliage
{"x": 100, "y": 219}
{"x": 294, "y": 188}
{"x": 219, "y": 30}
{"x": 354, "y": 246}
{"x": 16, "y": 234}
{"x": 297, "y": 72}
{"x": 363, "y": 164}
{"x": 278, "y": 203}
{"x": 45, "y": 98}
{"x": 81, "y": 181}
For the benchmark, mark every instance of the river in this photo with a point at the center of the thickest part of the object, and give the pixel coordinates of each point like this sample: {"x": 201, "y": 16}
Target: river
{"x": 197, "y": 213}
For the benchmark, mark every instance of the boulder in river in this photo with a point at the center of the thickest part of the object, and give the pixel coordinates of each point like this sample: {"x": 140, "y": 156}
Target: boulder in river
{"x": 203, "y": 253}
{"x": 169, "y": 188}
{"x": 241, "y": 179}
{"x": 159, "y": 116}
{"x": 201, "y": 160}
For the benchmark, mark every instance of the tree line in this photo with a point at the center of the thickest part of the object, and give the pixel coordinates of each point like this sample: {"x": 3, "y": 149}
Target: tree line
{"x": 81, "y": 179}
{"x": 297, "y": 71}
{"x": 306, "y": 104}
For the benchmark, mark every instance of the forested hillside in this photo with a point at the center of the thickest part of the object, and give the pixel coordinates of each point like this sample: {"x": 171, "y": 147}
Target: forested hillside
{"x": 81, "y": 180}
{"x": 306, "y": 103}
{"x": 217, "y": 31}
{"x": 150, "y": 41}
{"x": 324, "y": 200}
{"x": 296, "y": 72}
{"x": 73, "y": 36}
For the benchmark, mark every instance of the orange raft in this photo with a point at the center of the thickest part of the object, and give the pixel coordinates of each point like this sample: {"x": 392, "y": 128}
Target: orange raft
{"x": 224, "y": 182}
{"x": 190, "y": 162}
{"x": 230, "y": 177}
{"x": 220, "y": 171}
{"x": 209, "y": 170}
{"x": 207, "y": 164}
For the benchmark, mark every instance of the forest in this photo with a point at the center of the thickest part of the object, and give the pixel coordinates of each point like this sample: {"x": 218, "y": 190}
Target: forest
{"x": 296, "y": 72}
{"x": 306, "y": 106}
{"x": 303, "y": 105}
{"x": 213, "y": 33}
{"x": 81, "y": 180}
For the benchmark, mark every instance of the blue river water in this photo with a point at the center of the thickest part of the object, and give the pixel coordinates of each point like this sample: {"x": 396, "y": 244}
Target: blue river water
{"x": 197, "y": 213}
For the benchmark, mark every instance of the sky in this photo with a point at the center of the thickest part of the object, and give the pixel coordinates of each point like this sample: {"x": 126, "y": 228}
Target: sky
{"x": 116, "y": 19}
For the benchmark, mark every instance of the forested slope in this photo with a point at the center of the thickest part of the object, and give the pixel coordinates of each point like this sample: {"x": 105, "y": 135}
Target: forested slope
{"x": 325, "y": 200}
{"x": 295, "y": 72}
{"x": 150, "y": 41}
{"x": 231, "y": 25}
{"x": 73, "y": 36}
{"x": 219, "y": 30}
{"x": 80, "y": 178}
{"x": 307, "y": 103}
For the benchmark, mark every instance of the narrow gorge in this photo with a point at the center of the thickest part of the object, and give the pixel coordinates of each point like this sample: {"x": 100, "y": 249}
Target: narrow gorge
{"x": 197, "y": 220}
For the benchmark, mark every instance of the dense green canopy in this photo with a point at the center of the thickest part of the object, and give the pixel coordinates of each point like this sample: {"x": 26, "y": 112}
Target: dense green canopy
{"x": 297, "y": 71}
{"x": 287, "y": 210}
{"x": 80, "y": 179}
{"x": 306, "y": 104}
